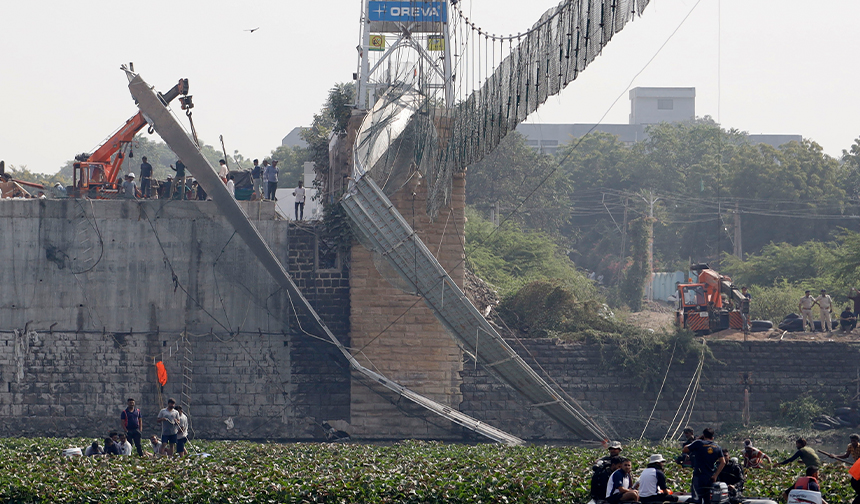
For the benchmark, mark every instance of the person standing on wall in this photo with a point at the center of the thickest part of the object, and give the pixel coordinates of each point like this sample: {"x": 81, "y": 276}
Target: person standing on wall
{"x": 231, "y": 186}
{"x": 805, "y": 305}
{"x": 132, "y": 424}
{"x": 271, "y": 175}
{"x": 299, "y": 193}
{"x": 179, "y": 180}
{"x": 129, "y": 188}
{"x": 824, "y": 305}
{"x": 145, "y": 178}
{"x": 223, "y": 171}
{"x": 257, "y": 177}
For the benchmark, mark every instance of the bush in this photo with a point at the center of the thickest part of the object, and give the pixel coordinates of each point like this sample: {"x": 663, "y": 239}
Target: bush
{"x": 509, "y": 257}
{"x": 801, "y": 411}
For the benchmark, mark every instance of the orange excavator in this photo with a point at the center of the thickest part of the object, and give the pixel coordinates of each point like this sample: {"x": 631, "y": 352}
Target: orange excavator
{"x": 711, "y": 304}
{"x": 95, "y": 175}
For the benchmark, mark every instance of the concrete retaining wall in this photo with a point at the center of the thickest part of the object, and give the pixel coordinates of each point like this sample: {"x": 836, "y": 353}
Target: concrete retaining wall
{"x": 107, "y": 288}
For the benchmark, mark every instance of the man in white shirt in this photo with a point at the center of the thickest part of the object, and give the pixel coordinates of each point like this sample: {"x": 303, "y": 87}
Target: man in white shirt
{"x": 182, "y": 434}
{"x": 124, "y": 445}
{"x": 231, "y": 186}
{"x": 299, "y": 193}
{"x": 223, "y": 170}
{"x": 824, "y": 304}
{"x": 652, "y": 482}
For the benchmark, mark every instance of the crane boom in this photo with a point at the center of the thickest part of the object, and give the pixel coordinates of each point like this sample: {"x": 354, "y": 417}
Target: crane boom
{"x": 98, "y": 172}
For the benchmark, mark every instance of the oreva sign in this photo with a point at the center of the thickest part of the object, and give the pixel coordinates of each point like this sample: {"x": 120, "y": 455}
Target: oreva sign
{"x": 422, "y": 12}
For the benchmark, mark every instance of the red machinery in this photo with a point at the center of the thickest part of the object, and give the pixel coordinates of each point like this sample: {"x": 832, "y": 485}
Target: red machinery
{"x": 701, "y": 307}
{"x": 96, "y": 174}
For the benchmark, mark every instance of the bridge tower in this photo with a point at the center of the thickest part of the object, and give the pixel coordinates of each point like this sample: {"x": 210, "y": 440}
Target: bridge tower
{"x": 404, "y": 41}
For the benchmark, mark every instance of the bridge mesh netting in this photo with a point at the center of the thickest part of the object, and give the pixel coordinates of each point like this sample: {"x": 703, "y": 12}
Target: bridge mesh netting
{"x": 497, "y": 82}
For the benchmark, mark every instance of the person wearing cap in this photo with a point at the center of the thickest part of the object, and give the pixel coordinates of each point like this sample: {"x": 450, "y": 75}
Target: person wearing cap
{"x": 805, "y": 306}
{"x": 753, "y": 456}
{"x": 652, "y": 482}
{"x": 614, "y": 449}
{"x": 620, "y": 485}
{"x": 129, "y": 188}
{"x": 853, "y": 450}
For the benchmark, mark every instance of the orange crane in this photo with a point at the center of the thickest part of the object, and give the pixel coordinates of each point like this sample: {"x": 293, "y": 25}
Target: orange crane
{"x": 96, "y": 174}
{"x": 701, "y": 307}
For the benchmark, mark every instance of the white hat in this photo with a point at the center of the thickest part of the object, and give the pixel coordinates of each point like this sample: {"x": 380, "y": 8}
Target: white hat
{"x": 131, "y": 175}
{"x": 653, "y": 459}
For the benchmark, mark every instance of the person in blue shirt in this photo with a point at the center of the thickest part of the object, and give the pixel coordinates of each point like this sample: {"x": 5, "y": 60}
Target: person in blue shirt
{"x": 257, "y": 177}
{"x": 708, "y": 462}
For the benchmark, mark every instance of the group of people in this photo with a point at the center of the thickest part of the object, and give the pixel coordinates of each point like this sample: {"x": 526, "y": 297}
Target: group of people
{"x": 178, "y": 187}
{"x": 847, "y": 319}
{"x": 613, "y": 482}
{"x": 174, "y": 433}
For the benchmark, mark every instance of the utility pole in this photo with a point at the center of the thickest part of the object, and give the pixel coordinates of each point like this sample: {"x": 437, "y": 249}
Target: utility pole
{"x": 739, "y": 249}
{"x": 624, "y": 229}
{"x": 650, "y": 200}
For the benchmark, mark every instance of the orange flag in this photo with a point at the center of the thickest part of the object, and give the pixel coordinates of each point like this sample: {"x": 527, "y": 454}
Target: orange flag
{"x": 162, "y": 373}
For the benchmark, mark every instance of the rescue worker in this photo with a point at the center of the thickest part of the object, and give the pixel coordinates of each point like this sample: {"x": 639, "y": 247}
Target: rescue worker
{"x": 753, "y": 456}
{"x": 808, "y": 482}
{"x": 620, "y": 485}
{"x": 825, "y": 304}
{"x": 652, "y": 482}
{"x": 733, "y": 476}
{"x": 708, "y": 463}
{"x": 806, "y": 454}
{"x": 600, "y": 478}
{"x": 853, "y": 450}
{"x": 805, "y": 306}
{"x": 685, "y": 459}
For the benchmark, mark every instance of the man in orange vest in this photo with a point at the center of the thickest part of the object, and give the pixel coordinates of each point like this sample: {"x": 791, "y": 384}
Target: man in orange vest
{"x": 808, "y": 482}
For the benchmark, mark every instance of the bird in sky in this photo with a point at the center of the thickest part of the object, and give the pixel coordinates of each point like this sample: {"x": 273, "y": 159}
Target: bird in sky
{"x": 252, "y": 30}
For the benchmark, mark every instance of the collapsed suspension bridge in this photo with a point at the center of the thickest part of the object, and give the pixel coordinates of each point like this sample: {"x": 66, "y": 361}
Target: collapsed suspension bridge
{"x": 436, "y": 130}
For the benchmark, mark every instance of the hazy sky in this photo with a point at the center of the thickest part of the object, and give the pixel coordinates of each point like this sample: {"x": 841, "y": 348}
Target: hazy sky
{"x": 785, "y": 67}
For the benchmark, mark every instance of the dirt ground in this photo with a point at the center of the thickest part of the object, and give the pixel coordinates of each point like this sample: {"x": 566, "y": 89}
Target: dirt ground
{"x": 659, "y": 316}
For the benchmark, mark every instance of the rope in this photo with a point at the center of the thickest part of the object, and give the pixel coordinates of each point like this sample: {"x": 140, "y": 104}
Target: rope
{"x": 660, "y": 391}
{"x": 696, "y": 374}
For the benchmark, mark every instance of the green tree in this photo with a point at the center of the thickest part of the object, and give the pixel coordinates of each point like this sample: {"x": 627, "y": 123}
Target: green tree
{"x": 777, "y": 262}
{"x": 509, "y": 174}
{"x": 789, "y": 192}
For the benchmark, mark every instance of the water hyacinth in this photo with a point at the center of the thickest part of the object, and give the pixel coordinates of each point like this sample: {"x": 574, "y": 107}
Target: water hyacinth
{"x": 33, "y": 470}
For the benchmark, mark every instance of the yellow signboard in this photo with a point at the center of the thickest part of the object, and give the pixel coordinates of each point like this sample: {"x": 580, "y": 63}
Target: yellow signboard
{"x": 435, "y": 43}
{"x": 377, "y": 43}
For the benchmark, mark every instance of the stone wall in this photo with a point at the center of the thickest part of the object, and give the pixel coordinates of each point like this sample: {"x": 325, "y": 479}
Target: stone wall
{"x": 776, "y": 372}
{"x": 105, "y": 289}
